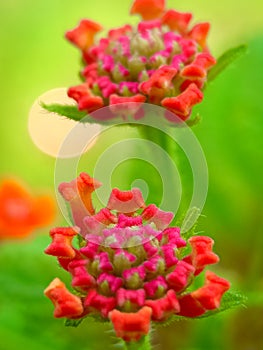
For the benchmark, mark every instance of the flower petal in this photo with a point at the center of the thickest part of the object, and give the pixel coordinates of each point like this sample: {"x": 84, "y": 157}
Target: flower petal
{"x": 81, "y": 279}
{"x": 131, "y": 326}
{"x": 182, "y": 104}
{"x": 126, "y": 106}
{"x": 190, "y": 307}
{"x": 100, "y": 303}
{"x": 160, "y": 218}
{"x": 78, "y": 193}
{"x": 209, "y": 296}
{"x": 201, "y": 254}
{"x": 181, "y": 276}
{"x": 66, "y": 304}
{"x": 83, "y": 35}
{"x": 61, "y": 245}
{"x": 177, "y": 21}
{"x": 125, "y": 201}
{"x": 85, "y": 98}
{"x": 164, "y": 307}
{"x": 148, "y": 9}
{"x": 159, "y": 82}
{"x": 199, "y": 33}
{"x": 198, "y": 68}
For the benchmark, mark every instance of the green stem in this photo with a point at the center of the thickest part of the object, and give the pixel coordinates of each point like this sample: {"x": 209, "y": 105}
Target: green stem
{"x": 167, "y": 164}
{"x": 143, "y": 344}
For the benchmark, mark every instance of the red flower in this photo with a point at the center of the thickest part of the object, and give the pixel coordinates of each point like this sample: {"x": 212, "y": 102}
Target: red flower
{"x": 83, "y": 35}
{"x": 199, "y": 33}
{"x": 85, "y": 98}
{"x": 202, "y": 254}
{"x": 182, "y": 105}
{"x": 20, "y": 212}
{"x": 61, "y": 245}
{"x": 66, "y": 304}
{"x": 130, "y": 268}
{"x": 148, "y": 9}
{"x": 154, "y": 62}
{"x": 177, "y": 21}
{"x": 205, "y": 298}
{"x": 209, "y": 296}
{"x": 131, "y": 326}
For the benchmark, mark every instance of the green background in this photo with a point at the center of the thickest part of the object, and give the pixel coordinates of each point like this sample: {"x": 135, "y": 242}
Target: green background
{"x": 35, "y": 58}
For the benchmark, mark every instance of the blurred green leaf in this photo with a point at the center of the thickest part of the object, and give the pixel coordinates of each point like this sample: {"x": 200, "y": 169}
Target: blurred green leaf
{"x": 225, "y": 60}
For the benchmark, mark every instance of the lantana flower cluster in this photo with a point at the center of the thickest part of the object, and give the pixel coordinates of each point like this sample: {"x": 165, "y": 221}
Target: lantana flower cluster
{"x": 132, "y": 268}
{"x": 163, "y": 60}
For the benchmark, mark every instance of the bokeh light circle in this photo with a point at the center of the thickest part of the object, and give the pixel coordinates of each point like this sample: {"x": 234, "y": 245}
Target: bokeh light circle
{"x": 48, "y": 130}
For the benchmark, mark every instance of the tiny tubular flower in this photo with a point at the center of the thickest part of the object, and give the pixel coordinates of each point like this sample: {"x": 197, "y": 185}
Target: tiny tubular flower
{"x": 130, "y": 300}
{"x": 177, "y": 21}
{"x": 81, "y": 279}
{"x": 199, "y": 33}
{"x": 182, "y": 104}
{"x": 205, "y": 298}
{"x": 78, "y": 194}
{"x": 130, "y": 267}
{"x": 181, "y": 276}
{"x": 61, "y": 242}
{"x": 99, "y": 303}
{"x": 83, "y": 35}
{"x": 209, "y": 296}
{"x": 133, "y": 325}
{"x": 148, "y": 9}
{"x": 153, "y": 62}
{"x": 160, "y": 218}
{"x": 125, "y": 201}
{"x": 198, "y": 68}
{"x": 66, "y": 304}
{"x": 85, "y": 98}
{"x": 164, "y": 307}
{"x": 202, "y": 254}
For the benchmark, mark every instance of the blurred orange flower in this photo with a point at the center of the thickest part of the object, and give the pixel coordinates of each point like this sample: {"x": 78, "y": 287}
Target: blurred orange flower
{"x": 20, "y": 212}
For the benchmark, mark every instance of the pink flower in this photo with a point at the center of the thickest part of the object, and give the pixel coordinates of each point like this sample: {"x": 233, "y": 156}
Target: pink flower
{"x": 131, "y": 269}
{"x": 154, "y": 62}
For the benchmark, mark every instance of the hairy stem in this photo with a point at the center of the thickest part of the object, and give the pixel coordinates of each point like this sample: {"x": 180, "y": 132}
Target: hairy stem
{"x": 143, "y": 344}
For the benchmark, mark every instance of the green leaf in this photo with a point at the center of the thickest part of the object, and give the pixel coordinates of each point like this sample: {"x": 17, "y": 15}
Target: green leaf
{"x": 73, "y": 323}
{"x": 72, "y": 112}
{"x": 68, "y": 111}
{"x": 225, "y": 60}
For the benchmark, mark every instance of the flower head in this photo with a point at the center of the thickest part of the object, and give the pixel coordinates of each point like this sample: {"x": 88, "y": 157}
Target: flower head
{"x": 131, "y": 267}
{"x": 20, "y": 212}
{"x": 163, "y": 60}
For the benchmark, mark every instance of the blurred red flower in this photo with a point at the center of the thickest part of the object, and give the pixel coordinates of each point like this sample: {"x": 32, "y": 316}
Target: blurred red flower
{"x": 20, "y": 212}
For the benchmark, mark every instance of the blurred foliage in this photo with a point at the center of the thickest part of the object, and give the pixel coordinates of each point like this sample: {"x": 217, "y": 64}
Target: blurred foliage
{"x": 35, "y": 58}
